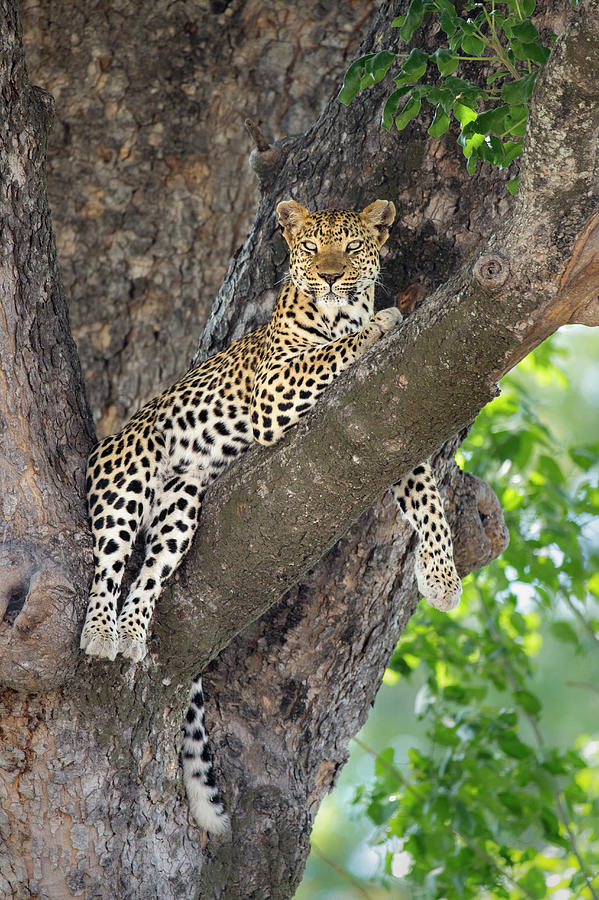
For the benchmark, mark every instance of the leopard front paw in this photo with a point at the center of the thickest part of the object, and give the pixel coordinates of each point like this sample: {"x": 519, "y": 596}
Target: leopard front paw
{"x": 99, "y": 640}
{"x": 387, "y": 319}
{"x": 131, "y": 641}
{"x": 437, "y": 580}
{"x": 132, "y": 648}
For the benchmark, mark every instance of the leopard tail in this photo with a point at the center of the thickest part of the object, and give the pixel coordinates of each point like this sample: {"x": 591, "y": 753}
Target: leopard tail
{"x": 196, "y": 761}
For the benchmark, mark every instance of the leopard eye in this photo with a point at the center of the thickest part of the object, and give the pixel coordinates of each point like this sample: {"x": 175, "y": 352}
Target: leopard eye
{"x": 354, "y": 245}
{"x": 310, "y": 246}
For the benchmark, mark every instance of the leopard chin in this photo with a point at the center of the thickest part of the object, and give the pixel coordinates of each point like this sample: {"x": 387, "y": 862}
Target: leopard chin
{"x": 333, "y": 299}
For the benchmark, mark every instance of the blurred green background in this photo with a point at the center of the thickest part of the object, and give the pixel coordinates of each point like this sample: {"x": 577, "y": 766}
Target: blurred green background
{"x": 345, "y": 860}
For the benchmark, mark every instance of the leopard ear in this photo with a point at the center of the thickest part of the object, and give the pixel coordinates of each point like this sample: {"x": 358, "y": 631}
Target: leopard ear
{"x": 291, "y": 218}
{"x": 379, "y": 216}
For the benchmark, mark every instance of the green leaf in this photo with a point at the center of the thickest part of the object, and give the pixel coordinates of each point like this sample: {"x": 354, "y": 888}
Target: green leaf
{"x": 409, "y": 112}
{"x": 528, "y": 702}
{"x": 464, "y": 114}
{"x": 492, "y": 120}
{"x": 392, "y": 105}
{"x": 420, "y": 91}
{"x": 398, "y": 664}
{"x": 445, "y": 736}
{"x": 413, "y": 67}
{"x": 472, "y": 45}
{"x": 585, "y": 457}
{"x": 551, "y": 826}
{"x": 465, "y": 91}
{"x": 550, "y": 469}
{"x": 515, "y": 120}
{"x": 463, "y": 819}
{"x": 456, "y": 693}
{"x": 490, "y": 150}
{"x": 501, "y": 74}
{"x": 448, "y": 22}
{"x": 511, "y": 744}
{"x": 534, "y": 883}
{"x": 511, "y": 801}
{"x": 525, "y": 31}
{"x": 518, "y": 623}
{"x": 412, "y": 20}
{"x": 434, "y": 95}
{"x": 379, "y": 812}
{"x": 527, "y": 7}
{"x": 512, "y": 185}
{"x": 446, "y": 61}
{"x": 499, "y": 19}
{"x": 563, "y": 631}
{"x": 440, "y": 123}
{"x": 530, "y": 51}
{"x": 352, "y": 79}
{"x": 378, "y": 65}
{"x": 511, "y": 149}
{"x": 470, "y": 148}
{"x": 507, "y": 718}
{"x": 593, "y": 584}
{"x": 515, "y": 92}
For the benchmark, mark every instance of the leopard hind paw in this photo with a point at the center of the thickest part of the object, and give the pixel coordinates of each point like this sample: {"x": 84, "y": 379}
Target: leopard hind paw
{"x": 437, "y": 580}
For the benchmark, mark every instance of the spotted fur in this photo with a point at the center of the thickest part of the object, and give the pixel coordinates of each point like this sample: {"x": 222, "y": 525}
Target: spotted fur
{"x": 151, "y": 476}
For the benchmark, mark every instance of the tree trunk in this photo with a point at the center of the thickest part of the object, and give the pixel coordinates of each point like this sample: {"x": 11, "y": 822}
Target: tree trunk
{"x": 91, "y": 802}
{"x": 45, "y": 428}
{"x": 148, "y": 178}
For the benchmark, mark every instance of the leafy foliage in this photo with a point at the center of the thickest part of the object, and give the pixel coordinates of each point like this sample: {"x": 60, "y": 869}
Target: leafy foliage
{"x": 491, "y": 808}
{"x": 492, "y": 114}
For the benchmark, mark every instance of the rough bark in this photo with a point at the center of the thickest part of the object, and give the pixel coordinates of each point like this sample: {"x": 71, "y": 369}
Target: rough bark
{"x": 148, "y": 178}
{"x": 45, "y": 428}
{"x": 92, "y": 804}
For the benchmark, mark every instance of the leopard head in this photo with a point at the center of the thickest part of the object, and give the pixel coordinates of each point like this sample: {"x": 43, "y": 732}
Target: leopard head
{"x": 334, "y": 255}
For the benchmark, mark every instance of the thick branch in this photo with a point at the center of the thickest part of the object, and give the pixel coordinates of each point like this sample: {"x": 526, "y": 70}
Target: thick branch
{"x": 275, "y": 514}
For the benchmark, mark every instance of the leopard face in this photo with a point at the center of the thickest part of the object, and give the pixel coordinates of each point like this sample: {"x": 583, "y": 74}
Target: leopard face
{"x": 334, "y": 255}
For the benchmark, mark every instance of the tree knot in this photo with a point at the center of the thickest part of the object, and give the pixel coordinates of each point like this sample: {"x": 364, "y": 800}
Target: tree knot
{"x": 266, "y": 159}
{"x": 491, "y": 271}
{"x": 38, "y": 616}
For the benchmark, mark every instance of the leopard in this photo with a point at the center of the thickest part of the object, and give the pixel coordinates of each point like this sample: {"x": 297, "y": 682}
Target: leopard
{"x": 150, "y": 478}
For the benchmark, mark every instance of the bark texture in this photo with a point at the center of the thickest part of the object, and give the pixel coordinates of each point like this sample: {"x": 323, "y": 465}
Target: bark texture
{"x": 148, "y": 177}
{"x": 90, "y": 802}
{"x": 45, "y": 428}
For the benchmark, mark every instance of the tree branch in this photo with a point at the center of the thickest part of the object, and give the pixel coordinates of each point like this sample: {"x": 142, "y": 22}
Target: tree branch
{"x": 276, "y": 513}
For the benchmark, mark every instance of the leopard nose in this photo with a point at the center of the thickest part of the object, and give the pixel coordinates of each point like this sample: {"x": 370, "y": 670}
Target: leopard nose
{"x": 330, "y": 278}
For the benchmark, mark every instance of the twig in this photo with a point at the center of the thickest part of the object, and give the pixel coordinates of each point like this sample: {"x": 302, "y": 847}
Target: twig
{"x": 256, "y": 135}
{"x": 586, "y": 625}
{"x": 340, "y": 871}
{"x": 582, "y": 684}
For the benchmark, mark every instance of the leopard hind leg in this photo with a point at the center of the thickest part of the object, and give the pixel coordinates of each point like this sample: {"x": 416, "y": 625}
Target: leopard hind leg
{"x": 175, "y": 514}
{"x": 420, "y": 502}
